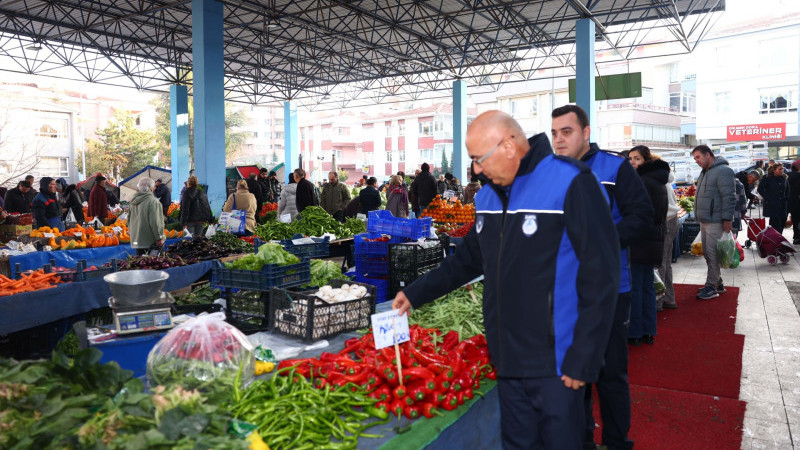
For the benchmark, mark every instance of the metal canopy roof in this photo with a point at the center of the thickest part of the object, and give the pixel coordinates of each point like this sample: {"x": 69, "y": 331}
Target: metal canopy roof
{"x": 337, "y": 53}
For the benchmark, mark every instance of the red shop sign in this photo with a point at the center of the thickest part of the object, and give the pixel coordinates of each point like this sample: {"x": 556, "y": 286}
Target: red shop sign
{"x": 758, "y": 132}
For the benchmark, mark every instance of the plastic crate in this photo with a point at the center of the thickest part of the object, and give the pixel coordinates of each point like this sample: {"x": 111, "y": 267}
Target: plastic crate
{"x": 319, "y": 249}
{"x": 270, "y": 276}
{"x": 301, "y": 314}
{"x": 689, "y": 231}
{"x": 247, "y": 310}
{"x": 196, "y": 308}
{"x": 374, "y": 249}
{"x": 381, "y": 287}
{"x": 408, "y": 262}
{"x": 372, "y": 266}
{"x": 382, "y": 221}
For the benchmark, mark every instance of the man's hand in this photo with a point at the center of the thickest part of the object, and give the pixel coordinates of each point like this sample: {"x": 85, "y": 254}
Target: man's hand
{"x": 401, "y": 303}
{"x": 569, "y": 382}
{"x": 160, "y": 242}
{"x": 726, "y": 226}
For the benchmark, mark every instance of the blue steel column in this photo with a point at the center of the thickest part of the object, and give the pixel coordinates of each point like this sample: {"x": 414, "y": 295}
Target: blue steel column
{"x": 179, "y": 136}
{"x": 291, "y": 146}
{"x": 209, "y": 99}
{"x": 584, "y": 71}
{"x": 460, "y": 158}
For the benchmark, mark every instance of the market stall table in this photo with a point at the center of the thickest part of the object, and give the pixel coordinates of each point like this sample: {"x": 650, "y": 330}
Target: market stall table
{"x": 30, "y": 309}
{"x": 69, "y": 258}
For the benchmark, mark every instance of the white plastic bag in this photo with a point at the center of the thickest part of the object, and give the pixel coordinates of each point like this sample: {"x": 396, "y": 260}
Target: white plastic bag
{"x": 285, "y": 218}
{"x": 697, "y": 246}
{"x": 658, "y": 284}
{"x": 70, "y": 217}
{"x": 186, "y": 233}
{"x": 200, "y": 353}
{"x": 211, "y": 230}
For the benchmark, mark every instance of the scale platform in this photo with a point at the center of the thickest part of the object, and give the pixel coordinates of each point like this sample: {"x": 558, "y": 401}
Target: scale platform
{"x": 137, "y": 302}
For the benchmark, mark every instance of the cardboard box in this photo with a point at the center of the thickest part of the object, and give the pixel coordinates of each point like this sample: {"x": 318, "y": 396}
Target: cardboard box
{"x": 15, "y": 230}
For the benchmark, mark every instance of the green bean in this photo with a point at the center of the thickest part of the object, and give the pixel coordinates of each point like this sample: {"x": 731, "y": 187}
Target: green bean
{"x": 455, "y": 311}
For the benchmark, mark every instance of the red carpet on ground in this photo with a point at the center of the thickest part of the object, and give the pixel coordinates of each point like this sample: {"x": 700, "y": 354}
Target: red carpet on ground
{"x": 685, "y": 387}
{"x": 689, "y": 360}
{"x": 666, "y": 419}
{"x": 715, "y": 315}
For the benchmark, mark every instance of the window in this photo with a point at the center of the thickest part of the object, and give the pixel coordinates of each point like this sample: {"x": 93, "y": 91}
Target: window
{"x": 367, "y": 133}
{"x": 438, "y": 125}
{"x": 426, "y": 154}
{"x": 516, "y": 108}
{"x": 534, "y": 107}
{"x": 438, "y": 149}
{"x": 674, "y": 101}
{"x": 682, "y": 102}
{"x": 389, "y": 156}
{"x": 342, "y": 131}
{"x": 53, "y": 128}
{"x": 426, "y": 128}
{"x": 674, "y": 72}
{"x": 401, "y": 129}
{"x": 302, "y": 134}
{"x": 778, "y": 100}
{"x": 656, "y": 133}
{"x": 52, "y": 166}
{"x": 388, "y": 130}
{"x": 279, "y": 135}
{"x": 401, "y": 155}
{"x": 722, "y": 102}
{"x": 338, "y": 155}
{"x": 776, "y": 53}
{"x": 255, "y": 134}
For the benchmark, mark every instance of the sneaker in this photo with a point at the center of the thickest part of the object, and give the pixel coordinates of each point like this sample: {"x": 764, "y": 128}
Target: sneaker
{"x": 635, "y": 341}
{"x": 721, "y": 289}
{"x": 649, "y": 339}
{"x": 707, "y": 293}
{"x": 670, "y": 306}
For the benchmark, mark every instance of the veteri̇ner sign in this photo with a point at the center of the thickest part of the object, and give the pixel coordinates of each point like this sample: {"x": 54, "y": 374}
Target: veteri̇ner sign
{"x": 757, "y": 132}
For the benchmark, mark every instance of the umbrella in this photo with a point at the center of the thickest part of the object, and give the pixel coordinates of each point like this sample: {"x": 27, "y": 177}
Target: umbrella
{"x": 127, "y": 188}
{"x": 88, "y": 183}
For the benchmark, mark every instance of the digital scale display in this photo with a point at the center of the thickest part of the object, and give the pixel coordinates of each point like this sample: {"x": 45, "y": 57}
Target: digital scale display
{"x": 143, "y": 321}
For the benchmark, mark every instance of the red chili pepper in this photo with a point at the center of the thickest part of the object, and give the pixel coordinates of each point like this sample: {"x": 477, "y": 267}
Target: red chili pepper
{"x": 416, "y": 392}
{"x": 418, "y": 372}
{"x": 411, "y": 412}
{"x": 427, "y": 358}
{"x": 397, "y": 407}
{"x": 428, "y": 410}
{"x": 320, "y": 383}
{"x": 382, "y": 393}
{"x": 468, "y": 394}
{"x": 450, "y": 341}
{"x": 382, "y": 405}
{"x": 450, "y": 402}
{"x": 460, "y": 397}
{"x": 408, "y": 400}
{"x": 492, "y": 375}
{"x": 400, "y": 392}
{"x": 456, "y": 362}
{"x": 389, "y": 374}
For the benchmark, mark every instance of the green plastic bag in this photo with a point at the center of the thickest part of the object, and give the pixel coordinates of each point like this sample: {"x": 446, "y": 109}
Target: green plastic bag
{"x": 727, "y": 253}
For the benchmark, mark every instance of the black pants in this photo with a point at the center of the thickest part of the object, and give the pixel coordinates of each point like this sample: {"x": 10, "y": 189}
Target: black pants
{"x": 795, "y": 223}
{"x": 778, "y": 223}
{"x": 540, "y": 413}
{"x": 339, "y": 216}
{"x": 612, "y": 386}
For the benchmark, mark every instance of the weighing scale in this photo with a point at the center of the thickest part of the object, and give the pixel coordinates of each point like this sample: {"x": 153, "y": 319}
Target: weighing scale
{"x": 137, "y": 302}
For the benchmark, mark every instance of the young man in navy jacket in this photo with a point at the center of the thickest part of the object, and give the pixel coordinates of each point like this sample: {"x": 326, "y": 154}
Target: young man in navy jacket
{"x": 546, "y": 244}
{"x": 632, "y": 212}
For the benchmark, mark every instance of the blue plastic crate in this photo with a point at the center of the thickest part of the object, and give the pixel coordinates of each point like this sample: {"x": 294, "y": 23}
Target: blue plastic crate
{"x": 270, "y": 276}
{"x": 382, "y": 221}
{"x": 372, "y": 266}
{"x": 381, "y": 287}
{"x": 320, "y": 249}
{"x": 374, "y": 249}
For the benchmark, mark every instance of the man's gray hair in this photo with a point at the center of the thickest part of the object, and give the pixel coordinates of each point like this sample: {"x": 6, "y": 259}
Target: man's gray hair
{"x": 145, "y": 185}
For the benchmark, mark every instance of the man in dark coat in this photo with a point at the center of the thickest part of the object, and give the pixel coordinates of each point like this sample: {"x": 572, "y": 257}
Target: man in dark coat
{"x": 163, "y": 195}
{"x": 794, "y": 200}
{"x": 263, "y": 183}
{"x": 16, "y": 199}
{"x": 306, "y": 195}
{"x": 424, "y": 188}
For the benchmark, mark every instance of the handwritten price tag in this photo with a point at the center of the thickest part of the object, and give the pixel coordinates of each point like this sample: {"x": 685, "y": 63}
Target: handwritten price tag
{"x": 48, "y": 235}
{"x": 388, "y": 325}
{"x": 117, "y": 230}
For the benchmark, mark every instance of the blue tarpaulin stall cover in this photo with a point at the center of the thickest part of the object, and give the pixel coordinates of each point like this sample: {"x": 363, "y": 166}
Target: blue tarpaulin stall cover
{"x": 30, "y": 309}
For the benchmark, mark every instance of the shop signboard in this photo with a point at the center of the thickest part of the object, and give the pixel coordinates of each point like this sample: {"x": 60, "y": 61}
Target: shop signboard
{"x": 757, "y": 132}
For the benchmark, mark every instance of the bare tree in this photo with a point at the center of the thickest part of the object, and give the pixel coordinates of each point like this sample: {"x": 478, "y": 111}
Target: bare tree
{"x": 19, "y": 161}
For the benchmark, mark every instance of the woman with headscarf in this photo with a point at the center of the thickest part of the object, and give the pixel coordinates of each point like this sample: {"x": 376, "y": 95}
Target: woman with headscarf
{"x": 98, "y": 199}
{"x": 45, "y": 207}
{"x": 71, "y": 201}
{"x": 397, "y": 199}
{"x": 242, "y": 199}
{"x": 287, "y": 204}
{"x": 146, "y": 219}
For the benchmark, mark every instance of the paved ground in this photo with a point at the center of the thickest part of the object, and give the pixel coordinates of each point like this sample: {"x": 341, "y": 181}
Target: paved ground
{"x": 769, "y": 319}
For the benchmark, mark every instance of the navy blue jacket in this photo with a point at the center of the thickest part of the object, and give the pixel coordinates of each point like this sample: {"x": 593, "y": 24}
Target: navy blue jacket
{"x": 630, "y": 206}
{"x": 547, "y": 248}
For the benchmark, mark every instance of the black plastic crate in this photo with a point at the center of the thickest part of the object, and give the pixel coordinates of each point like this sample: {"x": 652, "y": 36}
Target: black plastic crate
{"x": 412, "y": 256}
{"x": 196, "y": 308}
{"x": 270, "y": 276}
{"x": 319, "y": 249}
{"x": 689, "y": 231}
{"x": 247, "y": 310}
{"x": 303, "y": 315}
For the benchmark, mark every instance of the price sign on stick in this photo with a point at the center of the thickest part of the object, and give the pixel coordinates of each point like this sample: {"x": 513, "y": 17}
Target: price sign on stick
{"x": 388, "y": 328}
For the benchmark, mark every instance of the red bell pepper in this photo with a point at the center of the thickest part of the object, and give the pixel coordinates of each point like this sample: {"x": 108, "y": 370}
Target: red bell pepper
{"x": 397, "y": 407}
{"x": 400, "y": 391}
{"x": 450, "y": 402}
{"x": 416, "y": 392}
{"x": 492, "y": 374}
{"x": 468, "y": 394}
{"x": 428, "y": 410}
